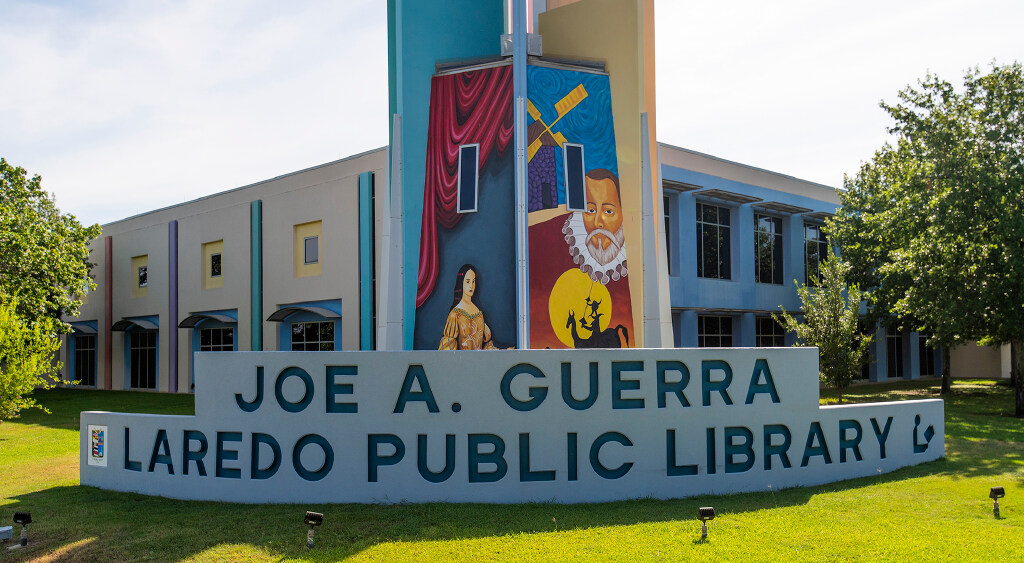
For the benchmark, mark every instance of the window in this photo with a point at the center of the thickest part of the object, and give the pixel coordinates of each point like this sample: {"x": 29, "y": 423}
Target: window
{"x": 815, "y": 251}
{"x": 767, "y": 249}
{"x": 713, "y": 259}
{"x": 770, "y": 333}
{"x": 714, "y": 332}
{"x": 862, "y": 331}
{"x": 143, "y": 359}
{"x": 307, "y": 256}
{"x": 217, "y": 339}
{"x": 215, "y": 265}
{"x": 469, "y": 177}
{"x": 925, "y": 354}
{"x": 313, "y": 336}
{"x": 140, "y": 272}
{"x": 84, "y": 359}
{"x": 894, "y": 354}
{"x": 311, "y": 250}
{"x": 84, "y": 295}
{"x": 575, "y": 187}
{"x": 667, "y": 205}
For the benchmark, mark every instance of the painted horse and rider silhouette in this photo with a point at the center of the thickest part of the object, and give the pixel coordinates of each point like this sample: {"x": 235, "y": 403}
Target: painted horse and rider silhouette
{"x": 591, "y": 321}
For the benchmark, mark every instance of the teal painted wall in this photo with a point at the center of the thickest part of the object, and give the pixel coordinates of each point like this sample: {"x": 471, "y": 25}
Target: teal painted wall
{"x": 366, "y": 261}
{"x": 421, "y": 33}
{"x": 256, "y": 272}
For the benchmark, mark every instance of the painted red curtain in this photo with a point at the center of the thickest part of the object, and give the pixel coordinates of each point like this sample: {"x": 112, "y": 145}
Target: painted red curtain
{"x": 468, "y": 107}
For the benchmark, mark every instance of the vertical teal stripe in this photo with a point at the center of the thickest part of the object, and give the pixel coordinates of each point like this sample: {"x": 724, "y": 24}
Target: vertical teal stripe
{"x": 366, "y": 261}
{"x": 256, "y": 269}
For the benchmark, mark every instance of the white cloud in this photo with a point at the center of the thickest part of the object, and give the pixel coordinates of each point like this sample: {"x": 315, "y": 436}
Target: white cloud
{"x": 124, "y": 107}
{"x": 129, "y": 107}
{"x": 794, "y": 86}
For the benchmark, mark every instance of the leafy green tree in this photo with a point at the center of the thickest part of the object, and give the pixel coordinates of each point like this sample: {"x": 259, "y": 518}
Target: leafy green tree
{"x": 44, "y": 257}
{"x": 831, "y": 312}
{"x": 44, "y": 268}
{"x": 933, "y": 225}
{"x": 26, "y": 353}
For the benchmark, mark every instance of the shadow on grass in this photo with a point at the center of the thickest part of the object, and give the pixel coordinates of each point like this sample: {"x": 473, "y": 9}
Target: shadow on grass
{"x": 67, "y": 403}
{"x": 85, "y": 523}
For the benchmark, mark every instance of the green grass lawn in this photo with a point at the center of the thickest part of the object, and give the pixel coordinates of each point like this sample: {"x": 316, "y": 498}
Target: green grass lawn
{"x": 937, "y": 511}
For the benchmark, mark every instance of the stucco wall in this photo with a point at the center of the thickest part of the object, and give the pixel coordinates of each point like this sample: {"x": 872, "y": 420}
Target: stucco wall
{"x": 972, "y": 360}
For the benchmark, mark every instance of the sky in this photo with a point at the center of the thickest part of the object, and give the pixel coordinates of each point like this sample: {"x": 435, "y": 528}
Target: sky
{"x": 125, "y": 107}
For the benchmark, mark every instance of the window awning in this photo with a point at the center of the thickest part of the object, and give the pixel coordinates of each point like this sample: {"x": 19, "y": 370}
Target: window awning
{"x": 724, "y": 195}
{"x": 125, "y": 324}
{"x": 192, "y": 320}
{"x": 84, "y": 328}
{"x": 820, "y": 215}
{"x": 283, "y": 313}
{"x": 673, "y": 185}
{"x": 779, "y": 207}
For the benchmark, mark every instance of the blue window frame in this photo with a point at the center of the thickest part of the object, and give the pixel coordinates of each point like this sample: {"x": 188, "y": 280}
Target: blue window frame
{"x": 217, "y": 331}
{"x": 143, "y": 358}
{"x": 83, "y": 358}
{"x": 767, "y": 249}
{"x": 713, "y": 242}
{"x": 815, "y": 252}
{"x": 304, "y": 326}
{"x": 714, "y": 331}
{"x": 312, "y": 336}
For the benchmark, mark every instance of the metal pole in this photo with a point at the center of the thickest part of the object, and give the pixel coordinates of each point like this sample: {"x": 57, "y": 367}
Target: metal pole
{"x": 519, "y": 90}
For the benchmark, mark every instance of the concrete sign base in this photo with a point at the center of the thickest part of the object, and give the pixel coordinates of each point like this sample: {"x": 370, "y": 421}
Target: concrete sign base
{"x": 504, "y": 427}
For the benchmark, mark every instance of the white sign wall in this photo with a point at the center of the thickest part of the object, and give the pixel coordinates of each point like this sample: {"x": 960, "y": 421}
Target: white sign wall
{"x": 504, "y": 426}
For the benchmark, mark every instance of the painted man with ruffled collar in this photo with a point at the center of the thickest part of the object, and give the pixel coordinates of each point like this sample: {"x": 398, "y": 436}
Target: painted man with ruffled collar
{"x": 590, "y": 242}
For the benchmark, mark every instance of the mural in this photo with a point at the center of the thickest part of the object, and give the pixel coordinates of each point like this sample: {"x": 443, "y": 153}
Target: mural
{"x": 468, "y": 108}
{"x": 579, "y": 294}
{"x": 465, "y": 328}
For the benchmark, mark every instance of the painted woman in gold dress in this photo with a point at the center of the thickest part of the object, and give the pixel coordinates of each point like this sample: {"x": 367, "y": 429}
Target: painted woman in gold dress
{"x": 465, "y": 328}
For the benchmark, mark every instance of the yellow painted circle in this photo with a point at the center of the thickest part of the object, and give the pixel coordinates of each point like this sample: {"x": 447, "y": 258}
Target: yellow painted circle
{"x": 570, "y": 294}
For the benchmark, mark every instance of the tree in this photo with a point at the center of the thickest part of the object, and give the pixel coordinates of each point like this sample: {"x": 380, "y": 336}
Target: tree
{"x": 44, "y": 257}
{"x": 933, "y": 225}
{"x": 26, "y": 352}
{"x": 831, "y": 312}
{"x": 44, "y": 267}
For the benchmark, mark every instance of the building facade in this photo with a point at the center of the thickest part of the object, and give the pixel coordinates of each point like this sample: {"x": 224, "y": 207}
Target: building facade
{"x": 284, "y": 264}
{"x": 293, "y": 263}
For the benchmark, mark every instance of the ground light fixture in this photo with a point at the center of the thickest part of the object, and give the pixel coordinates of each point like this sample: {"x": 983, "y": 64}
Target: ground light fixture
{"x": 995, "y": 494}
{"x": 704, "y": 514}
{"x": 23, "y": 518}
{"x": 313, "y": 519}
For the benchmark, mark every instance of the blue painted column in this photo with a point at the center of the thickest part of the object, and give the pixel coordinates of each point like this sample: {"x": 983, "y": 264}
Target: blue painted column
{"x": 172, "y": 309}
{"x": 746, "y": 333}
{"x": 880, "y": 369}
{"x": 742, "y": 244}
{"x": 367, "y": 262}
{"x": 793, "y": 243}
{"x": 256, "y": 273}
{"x": 912, "y": 349}
{"x": 688, "y": 329}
